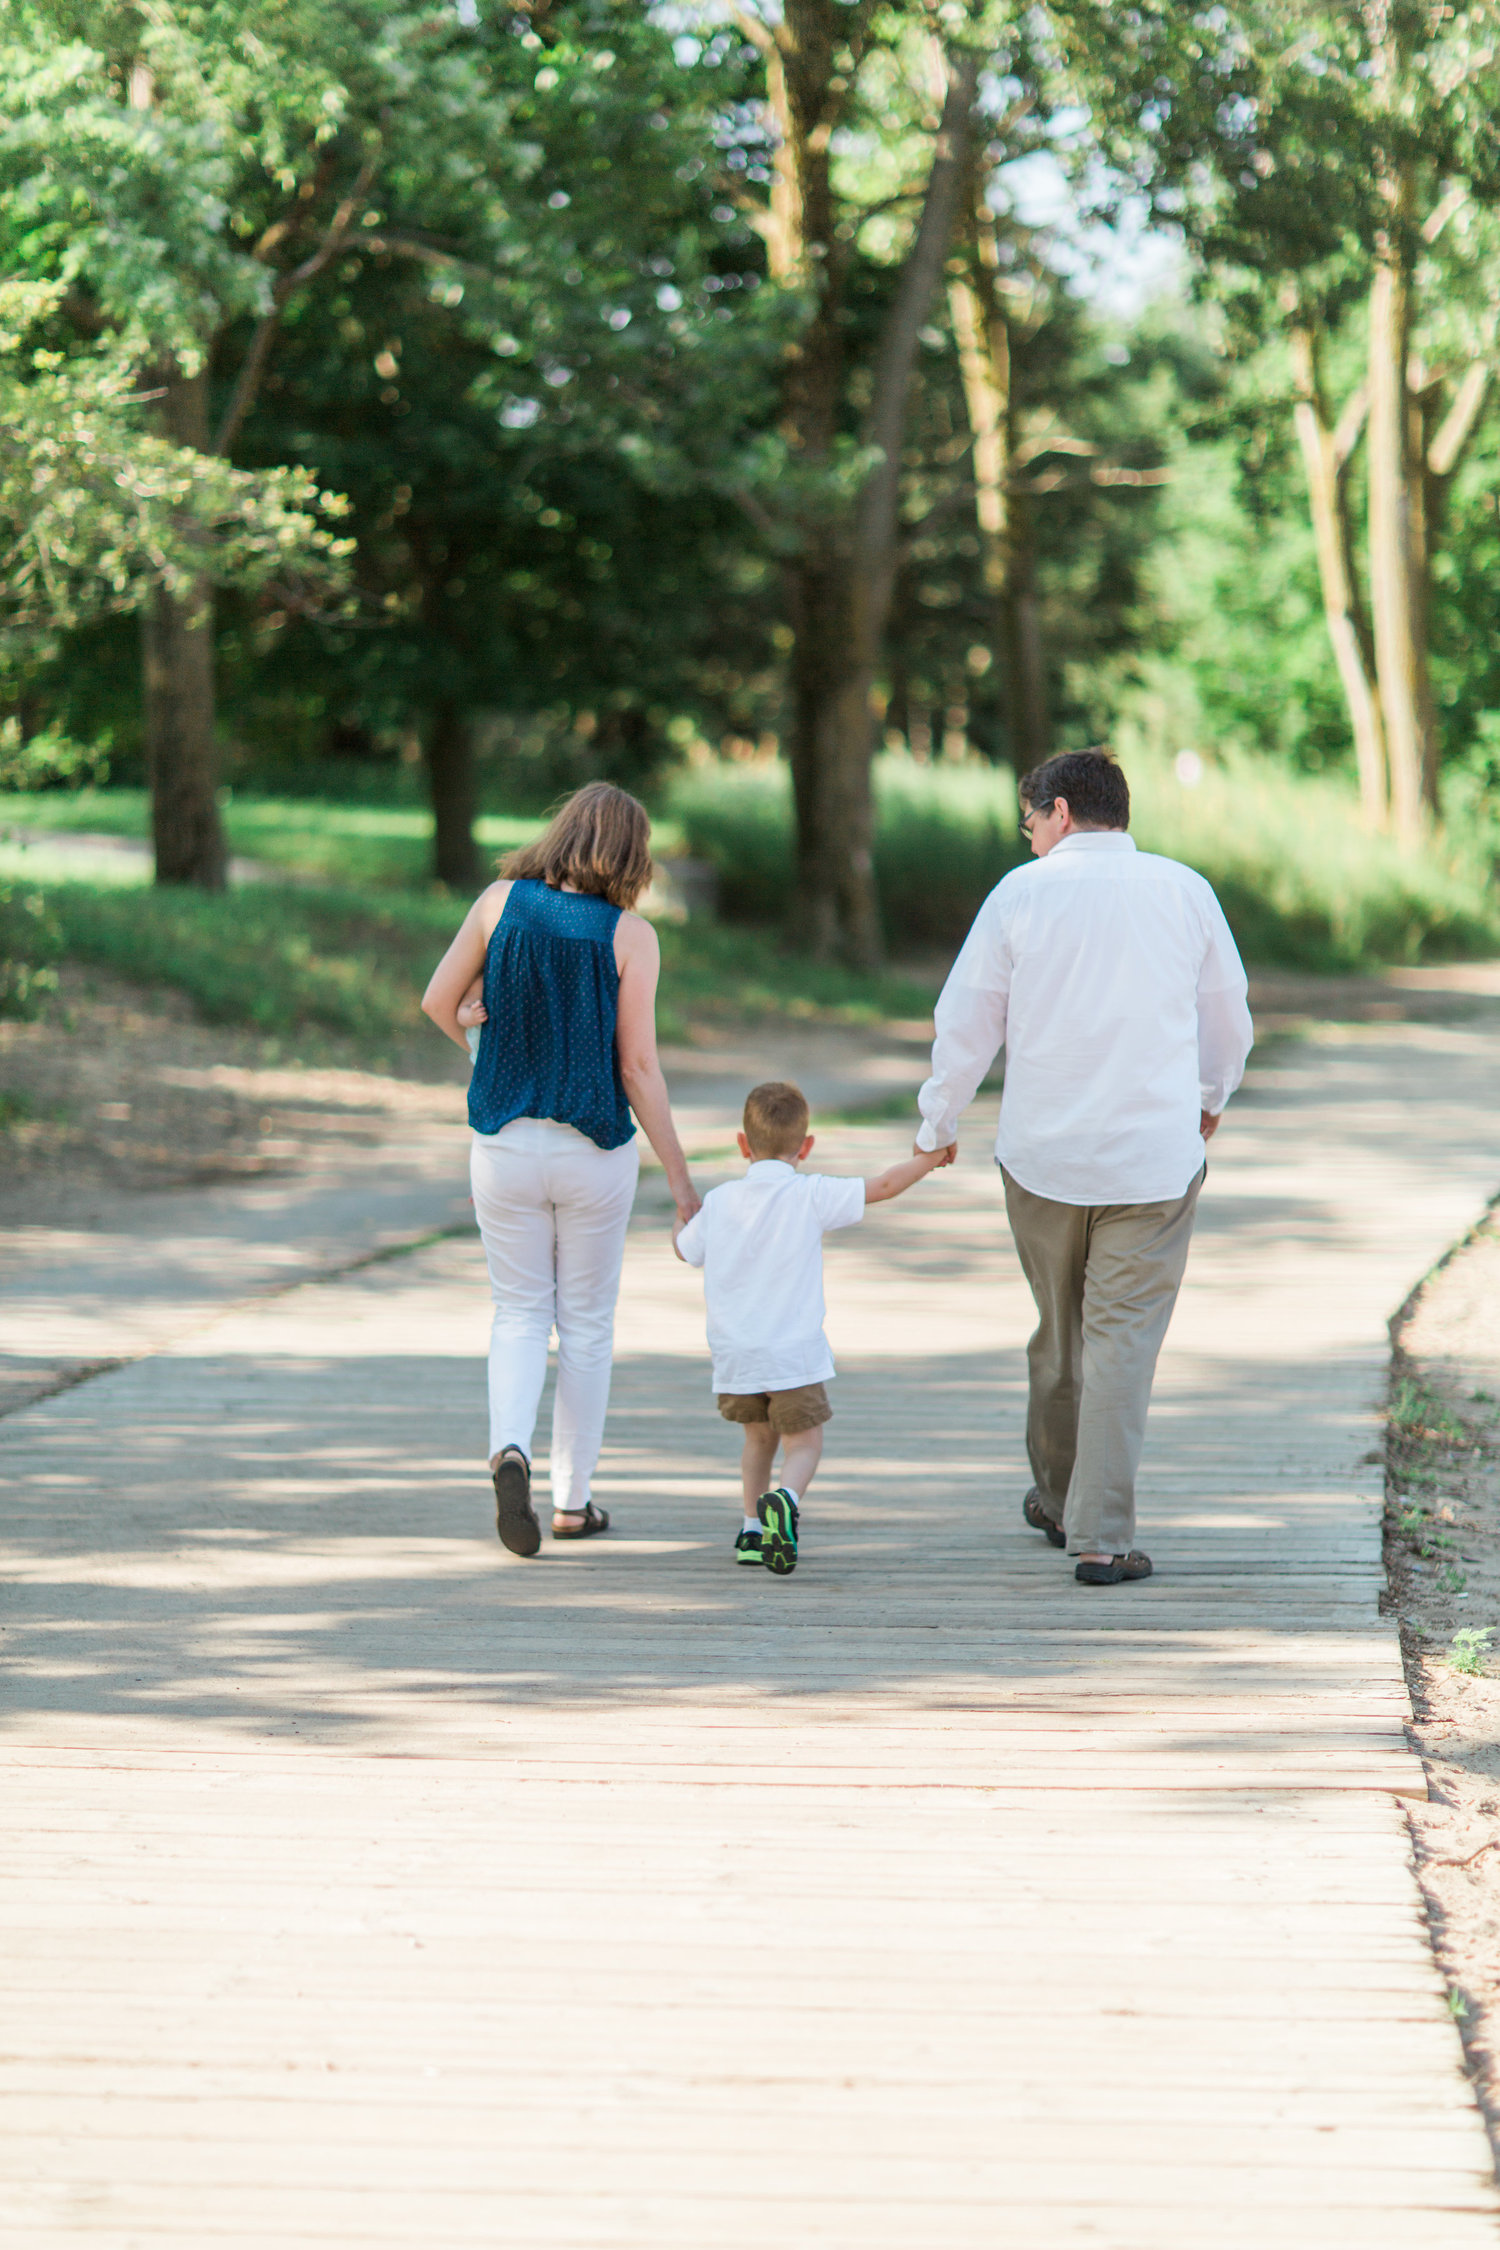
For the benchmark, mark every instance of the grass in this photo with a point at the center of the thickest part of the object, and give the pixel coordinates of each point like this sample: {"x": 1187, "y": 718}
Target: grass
{"x": 346, "y": 940}
{"x": 1303, "y": 885}
{"x": 280, "y": 958}
{"x": 944, "y": 837}
{"x": 382, "y": 847}
{"x": 1469, "y": 1647}
{"x": 1416, "y": 1414}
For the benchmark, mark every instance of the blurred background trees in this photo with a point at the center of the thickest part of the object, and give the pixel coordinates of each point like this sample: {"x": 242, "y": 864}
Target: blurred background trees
{"x": 749, "y": 380}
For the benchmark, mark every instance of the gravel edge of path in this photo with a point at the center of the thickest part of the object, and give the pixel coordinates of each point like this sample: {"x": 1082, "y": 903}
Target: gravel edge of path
{"x": 1442, "y": 1554}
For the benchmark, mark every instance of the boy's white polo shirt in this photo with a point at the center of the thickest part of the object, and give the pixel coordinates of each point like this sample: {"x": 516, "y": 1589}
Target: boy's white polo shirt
{"x": 759, "y": 1241}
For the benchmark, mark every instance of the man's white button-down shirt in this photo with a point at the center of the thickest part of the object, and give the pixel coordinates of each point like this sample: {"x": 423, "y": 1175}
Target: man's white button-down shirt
{"x": 1110, "y": 978}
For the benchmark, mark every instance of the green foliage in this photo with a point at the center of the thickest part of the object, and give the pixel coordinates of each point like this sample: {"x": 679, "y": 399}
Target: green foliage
{"x": 96, "y": 513}
{"x": 1302, "y": 884}
{"x": 49, "y": 760}
{"x": 1469, "y": 1647}
{"x": 944, "y": 837}
{"x": 377, "y": 847}
{"x": 356, "y": 962}
{"x": 1416, "y": 1413}
{"x": 275, "y": 959}
{"x": 30, "y": 942}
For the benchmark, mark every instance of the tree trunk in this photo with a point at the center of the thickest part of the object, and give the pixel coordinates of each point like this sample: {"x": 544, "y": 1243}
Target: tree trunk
{"x": 1007, "y": 544}
{"x": 842, "y": 588}
{"x": 1025, "y": 657}
{"x": 1348, "y": 631}
{"x": 1441, "y": 452}
{"x": 1396, "y": 559}
{"x": 450, "y": 774}
{"x": 177, "y": 661}
{"x": 834, "y": 861}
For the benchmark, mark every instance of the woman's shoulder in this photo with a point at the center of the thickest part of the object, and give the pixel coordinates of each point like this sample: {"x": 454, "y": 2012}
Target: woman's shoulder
{"x": 636, "y": 934}
{"x": 490, "y": 905}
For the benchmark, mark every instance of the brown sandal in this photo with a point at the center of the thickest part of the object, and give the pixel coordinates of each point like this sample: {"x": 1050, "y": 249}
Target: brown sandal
{"x": 594, "y": 1521}
{"x": 1116, "y": 1571}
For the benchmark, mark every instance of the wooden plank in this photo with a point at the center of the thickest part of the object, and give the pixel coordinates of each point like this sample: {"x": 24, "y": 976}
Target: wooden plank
{"x": 361, "y": 1885}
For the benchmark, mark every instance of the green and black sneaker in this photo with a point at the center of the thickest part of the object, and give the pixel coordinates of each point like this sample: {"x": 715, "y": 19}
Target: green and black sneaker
{"x": 778, "y": 1531}
{"x": 747, "y": 1548}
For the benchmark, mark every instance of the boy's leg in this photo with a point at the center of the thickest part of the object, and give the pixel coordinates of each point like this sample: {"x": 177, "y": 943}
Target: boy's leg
{"x": 755, "y": 1462}
{"x": 798, "y": 1415}
{"x": 800, "y": 1457}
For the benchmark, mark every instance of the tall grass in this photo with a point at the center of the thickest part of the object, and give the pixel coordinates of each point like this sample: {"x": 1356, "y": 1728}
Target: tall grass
{"x": 1303, "y": 884}
{"x": 386, "y": 847}
{"x": 944, "y": 836}
{"x": 355, "y": 962}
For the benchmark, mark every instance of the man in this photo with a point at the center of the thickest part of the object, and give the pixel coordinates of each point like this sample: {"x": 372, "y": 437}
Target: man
{"x": 1111, "y": 979}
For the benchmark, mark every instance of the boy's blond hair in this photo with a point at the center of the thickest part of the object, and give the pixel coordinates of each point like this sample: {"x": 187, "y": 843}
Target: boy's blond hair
{"x": 776, "y": 1118}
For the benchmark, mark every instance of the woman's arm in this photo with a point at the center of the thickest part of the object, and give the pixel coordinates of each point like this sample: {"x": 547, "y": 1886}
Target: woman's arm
{"x": 463, "y": 962}
{"x": 638, "y": 958}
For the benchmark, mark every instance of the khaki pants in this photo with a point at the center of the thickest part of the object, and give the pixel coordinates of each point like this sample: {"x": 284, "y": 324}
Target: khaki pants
{"x": 1105, "y": 1277}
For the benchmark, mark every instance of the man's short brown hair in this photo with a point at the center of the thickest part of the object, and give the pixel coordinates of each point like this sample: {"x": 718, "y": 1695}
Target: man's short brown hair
{"x": 1097, "y": 793}
{"x": 776, "y": 1118}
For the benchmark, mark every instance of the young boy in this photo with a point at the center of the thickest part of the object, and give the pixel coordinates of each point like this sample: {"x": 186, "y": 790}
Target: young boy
{"x": 760, "y": 1243}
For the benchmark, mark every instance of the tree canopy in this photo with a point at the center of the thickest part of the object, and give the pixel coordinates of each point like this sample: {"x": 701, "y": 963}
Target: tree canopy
{"x": 608, "y": 375}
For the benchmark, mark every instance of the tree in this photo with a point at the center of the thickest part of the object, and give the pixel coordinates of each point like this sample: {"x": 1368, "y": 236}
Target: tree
{"x": 515, "y": 179}
{"x": 533, "y": 453}
{"x": 184, "y": 166}
{"x": 830, "y": 69}
{"x": 1322, "y": 158}
{"x": 99, "y": 515}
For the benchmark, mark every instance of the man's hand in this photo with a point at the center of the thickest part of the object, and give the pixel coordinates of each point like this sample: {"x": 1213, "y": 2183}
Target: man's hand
{"x": 1208, "y": 1124}
{"x": 939, "y": 1158}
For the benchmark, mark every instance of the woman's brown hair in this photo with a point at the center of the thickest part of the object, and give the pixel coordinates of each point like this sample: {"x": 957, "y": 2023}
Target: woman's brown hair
{"x": 599, "y": 842}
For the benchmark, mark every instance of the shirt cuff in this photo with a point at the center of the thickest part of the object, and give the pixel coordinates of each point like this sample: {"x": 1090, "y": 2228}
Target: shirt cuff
{"x": 927, "y": 1136}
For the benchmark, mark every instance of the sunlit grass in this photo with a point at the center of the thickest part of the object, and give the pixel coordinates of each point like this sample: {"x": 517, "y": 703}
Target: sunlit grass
{"x": 384, "y": 846}
{"x": 280, "y": 958}
{"x": 1303, "y": 884}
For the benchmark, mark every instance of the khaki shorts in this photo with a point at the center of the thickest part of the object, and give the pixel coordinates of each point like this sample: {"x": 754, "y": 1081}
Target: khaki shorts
{"x": 788, "y": 1412}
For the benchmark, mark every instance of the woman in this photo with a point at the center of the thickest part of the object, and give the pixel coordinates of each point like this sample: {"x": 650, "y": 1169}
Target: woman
{"x": 568, "y": 1041}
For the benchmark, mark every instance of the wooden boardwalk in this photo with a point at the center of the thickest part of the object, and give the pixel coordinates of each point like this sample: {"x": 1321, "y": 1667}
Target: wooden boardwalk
{"x": 361, "y": 1885}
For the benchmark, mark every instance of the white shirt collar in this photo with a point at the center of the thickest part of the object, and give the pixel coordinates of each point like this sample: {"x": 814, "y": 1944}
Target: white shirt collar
{"x": 1094, "y": 840}
{"x": 763, "y": 1163}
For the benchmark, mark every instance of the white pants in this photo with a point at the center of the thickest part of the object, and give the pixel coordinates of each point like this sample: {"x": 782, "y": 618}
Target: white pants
{"x": 552, "y": 1211}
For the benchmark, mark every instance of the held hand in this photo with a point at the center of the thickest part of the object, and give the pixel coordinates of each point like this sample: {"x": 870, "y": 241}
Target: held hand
{"x": 1208, "y": 1124}
{"x": 936, "y": 1159}
{"x": 689, "y": 1203}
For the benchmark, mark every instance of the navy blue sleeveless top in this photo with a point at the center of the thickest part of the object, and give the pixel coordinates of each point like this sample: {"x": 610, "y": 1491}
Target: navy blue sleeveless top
{"x": 551, "y": 996}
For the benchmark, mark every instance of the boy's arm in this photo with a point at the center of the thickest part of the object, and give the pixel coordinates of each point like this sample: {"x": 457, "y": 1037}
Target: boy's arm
{"x": 901, "y": 1176}
{"x": 687, "y": 1238}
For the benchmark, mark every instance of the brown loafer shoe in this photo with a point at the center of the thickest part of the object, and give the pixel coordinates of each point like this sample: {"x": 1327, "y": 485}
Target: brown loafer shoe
{"x": 1115, "y": 1571}
{"x": 1039, "y": 1520}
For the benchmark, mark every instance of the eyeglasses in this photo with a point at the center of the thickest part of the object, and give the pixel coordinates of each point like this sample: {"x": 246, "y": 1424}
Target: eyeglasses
{"x": 1035, "y": 813}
